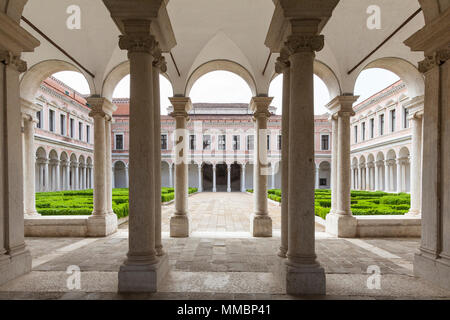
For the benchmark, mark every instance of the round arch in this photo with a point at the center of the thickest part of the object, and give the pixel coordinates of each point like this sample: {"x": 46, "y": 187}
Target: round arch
{"x": 116, "y": 75}
{"x": 221, "y": 65}
{"x": 406, "y": 71}
{"x": 32, "y": 79}
{"x": 327, "y": 75}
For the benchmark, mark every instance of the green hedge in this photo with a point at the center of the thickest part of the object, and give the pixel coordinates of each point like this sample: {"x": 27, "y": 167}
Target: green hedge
{"x": 81, "y": 202}
{"x": 362, "y": 202}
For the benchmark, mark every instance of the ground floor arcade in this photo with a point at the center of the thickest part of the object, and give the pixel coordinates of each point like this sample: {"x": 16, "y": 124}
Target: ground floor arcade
{"x": 220, "y": 260}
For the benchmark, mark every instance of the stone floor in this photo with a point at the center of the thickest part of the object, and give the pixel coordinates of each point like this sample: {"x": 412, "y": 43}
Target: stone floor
{"x": 220, "y": 261}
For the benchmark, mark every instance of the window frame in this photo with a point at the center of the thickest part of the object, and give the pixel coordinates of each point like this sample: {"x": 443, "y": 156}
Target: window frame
{"x": 165, "y": 140}
{"x": 328, "y": 141}
{"x": 121, "y": 134}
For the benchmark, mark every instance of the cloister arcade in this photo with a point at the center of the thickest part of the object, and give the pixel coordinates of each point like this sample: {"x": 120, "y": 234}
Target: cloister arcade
{"x": 146, "y": 38}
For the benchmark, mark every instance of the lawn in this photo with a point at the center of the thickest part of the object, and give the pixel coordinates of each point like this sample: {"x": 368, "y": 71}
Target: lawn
{"x": 362, "y": 202}
{"x": 81, "y": 202}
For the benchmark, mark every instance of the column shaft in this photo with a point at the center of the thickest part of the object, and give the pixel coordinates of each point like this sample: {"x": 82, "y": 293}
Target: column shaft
{"x": 416, "y": 166}
{"x": 100, "y": 166}
{"x": 343, "y": 184}
{"x": 334, "y": 163}
{"x": 228, "y": 178}
{"x": 29, "y": 169}
{"x": 108, "y": 166}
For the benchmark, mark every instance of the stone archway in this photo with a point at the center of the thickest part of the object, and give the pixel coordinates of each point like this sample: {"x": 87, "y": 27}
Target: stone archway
{"x": 235, "y": 177}
{"x": 207, "y": 177}
{"x": 120, "y": 178}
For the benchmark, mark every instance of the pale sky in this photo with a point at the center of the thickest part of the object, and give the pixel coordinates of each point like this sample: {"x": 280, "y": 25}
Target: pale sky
{"x": 224, "y": 86}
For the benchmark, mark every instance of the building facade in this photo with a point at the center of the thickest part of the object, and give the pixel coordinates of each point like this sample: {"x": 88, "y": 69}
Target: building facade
{"x": 221, "y": 147}
{"x": 381, "y": 141}
{"x": 63, "y": 139}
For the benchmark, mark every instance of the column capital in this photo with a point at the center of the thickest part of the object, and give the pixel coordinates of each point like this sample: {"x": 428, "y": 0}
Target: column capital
{"x": 138, "y": 43}
{"x": 415, "y": 107}
{"x": 181, "y": 106}
{"x": 342, "y": 106}
{"x": 282, "y": 62}
{"x": 304, "y": 43}
{"x": 101, "y": 107}
{"x": 260, "y": 106}
{"x": 14, "y": 61}
{"x": 159, "y": 61}
{"x": 29, "y": 110}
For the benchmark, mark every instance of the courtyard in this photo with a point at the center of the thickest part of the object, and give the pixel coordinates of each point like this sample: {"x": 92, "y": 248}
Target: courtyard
{"x": 220, "y": 260}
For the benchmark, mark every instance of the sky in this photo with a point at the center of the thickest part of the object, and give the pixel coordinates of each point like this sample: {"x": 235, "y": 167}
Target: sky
{"x": 224, "y": 86}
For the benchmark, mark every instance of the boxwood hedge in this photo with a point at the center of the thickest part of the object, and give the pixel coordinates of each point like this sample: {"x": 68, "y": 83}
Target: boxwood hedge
{"x": 362, "y": 202}
{"x": 81, "y": 202}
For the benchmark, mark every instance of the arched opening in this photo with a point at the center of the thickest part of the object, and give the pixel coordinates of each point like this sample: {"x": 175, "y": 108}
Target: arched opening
{"x": 380, "y": 163}
{"x": 41, "y": 170}
{"x": 391, "y": 159}
{"x": 221, "y": 177}
{"x": 120, "y": 175}
{"x": 166, "y": 176}
{"x": 324, "y": 175}
{"x": 207, "y": 174}
{"x": 235, "y": 177}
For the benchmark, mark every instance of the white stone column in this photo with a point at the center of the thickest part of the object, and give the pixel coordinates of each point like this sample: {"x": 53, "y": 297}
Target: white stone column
{"x": 46, "y": 179}
{"x": 171, "y": 175}
{"x": 341, "y": 223}
{"x": 387, "y": 180}
{"x": 367, "y": 179}
{"x": 67, "y": 171}
{"x": 108, "y": 163}
{"x": 415, "y": 108}
{"x": 334, "y": 161}
{"x": 214, "y": 189}
{"x": 200, "y": 178}
{"x": 57, "y": 175}
{"x": 29, "y": 171}
{"x": 377, "y": 176}
{"x": 399, "y": 175}
{"x": 243, "y": 189}
{"x": 304, "y": 275}
{"x": 272, "y": 167}
{"x": 15, "y": 258}
{"x": 317, "y": 180}
{"x": 103, "y": 221}
{"x": 360, "y": 177}
{"x": 283, "y": 66}
{"x": 228, "y": 177}
{"x": 179, "y": 222}
{"x": 76, "y": 176}
{"x": 159, "y": 66}
{"x": 260, "y": 221}
{"x": 127, "y": 183}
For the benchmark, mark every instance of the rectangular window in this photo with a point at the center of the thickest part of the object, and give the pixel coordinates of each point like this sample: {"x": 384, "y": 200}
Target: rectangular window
{"x": 268, "y": 142}
{"x": 325, "y": 143}
{"x": 372, "y": 127}
{"x": 322, "y": 182}
{"x": 192, "y": 142}
{"x": 405, "y": 118}
{"x": 356, "y": 134}
{"x": 381, "y": 124}
{"x": 392, "y": 120}
{"x": 88, "y": 133}
{"x": 207, "y": 142}
{"x": 119, "y": 142}
{"x": 250, "y": 142}
{"x": 236, "y": 143}
{"x": 279, "y": 142}
{"x": 363, "y": 131}
{"x": 51, "y": 120}
{"x": 222, "y": 142}
{"x": 72, "y": 128}
{"x": 63, "y": 124}
{"x": 39, "y": 119}
{"x": 164, "y": 142}
{"x": 80, "y": 131}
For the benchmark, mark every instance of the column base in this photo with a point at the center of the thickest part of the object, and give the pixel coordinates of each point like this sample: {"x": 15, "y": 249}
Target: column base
{"x": 282, "y": 252}
{"x": 260, "y": 226}
{"x": 14, "y": 266}
{"x": 143, "y": 278}
{"x": 101, "y": 225}
{"x": 301, "y": 280}
{"x": 437, "y": 271}
{"x": 32, "y": 214}
{"x": 341, "y": 226}
{"x": 414, "y": 213}
{"x": 179, "y": 226}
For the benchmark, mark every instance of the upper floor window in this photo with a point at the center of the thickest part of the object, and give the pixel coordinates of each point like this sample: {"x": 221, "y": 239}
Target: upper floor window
{"x": 72, "y": 128}
{"x": 192, "y": 142}
{"x": 207, "y": 142}
{"x": 39, "y": 119}
{"x": 222, "y": 142}
{"x": 372, "y": 127}
{"x": 250, "y": 142}
{"x": 392, "y": 120}
{"x": 356, "y": 134}
{"x": 80, "y": 131}
{"x": 325, "y": 142}
{"x": 164, "y": 142}
{"x": 279, "y": 142}
{"x": 268, "y": 142}
{"x": 363, "y": 131}
{"x": 119, "y": 142}
{"x": 236, "y": 143}
{"x": 51, "y": 120}
{"x": 381, "y": 124}
{"x": 88, "y": 133}
{"x": 405, "y": 118}
{"x": 63, "y": 124}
